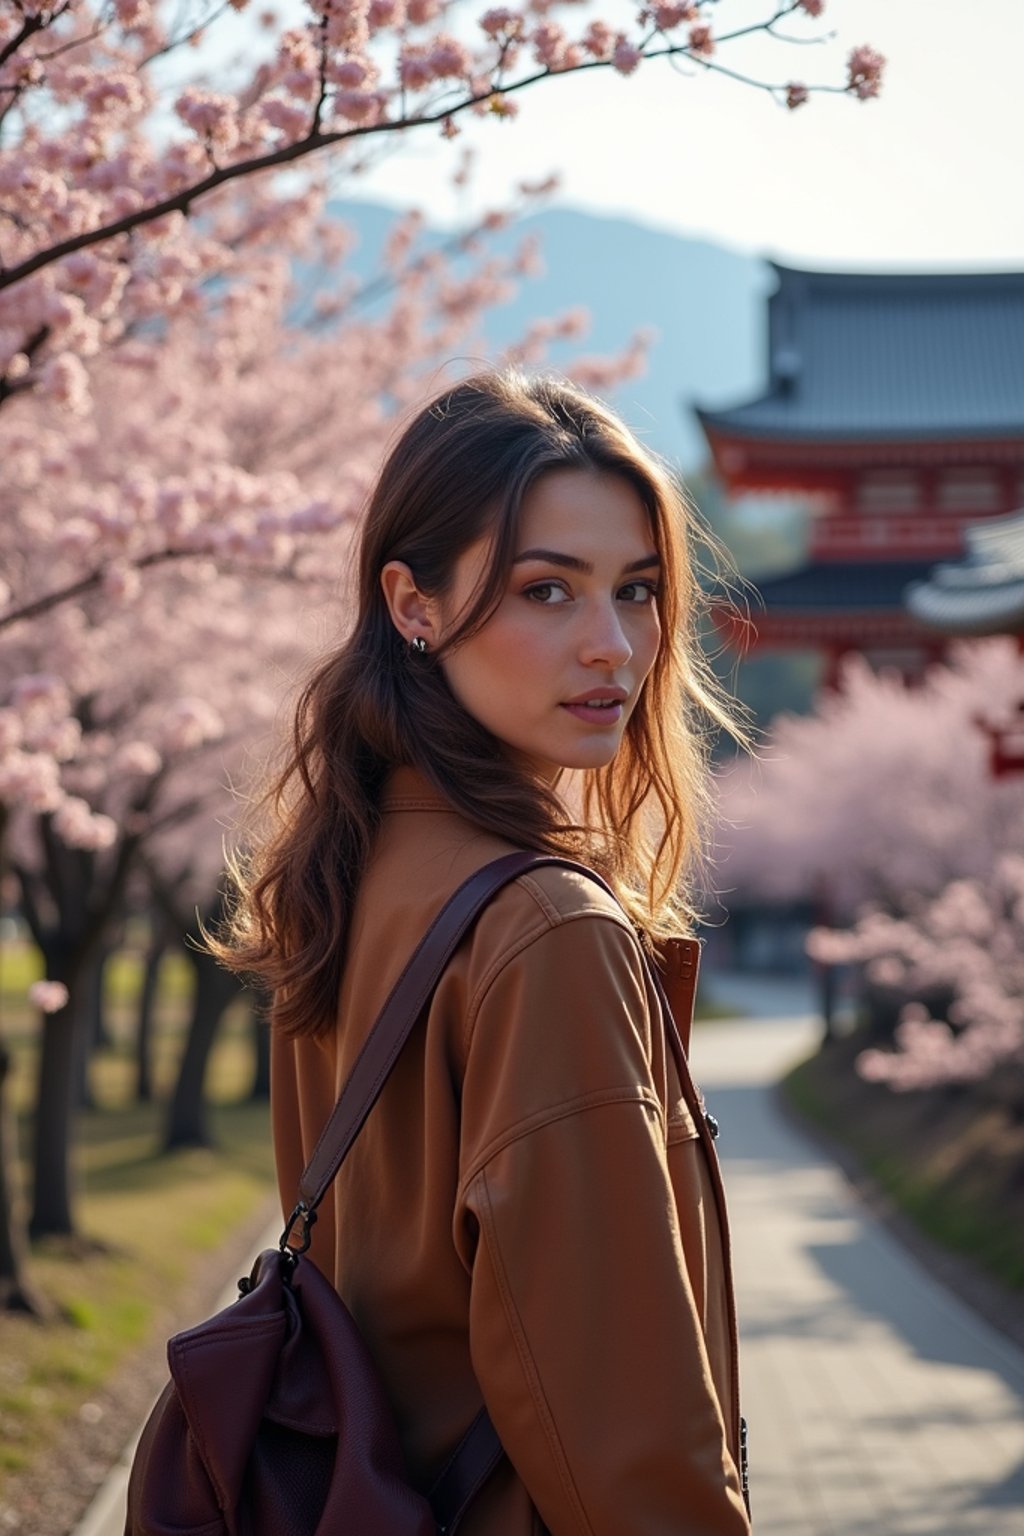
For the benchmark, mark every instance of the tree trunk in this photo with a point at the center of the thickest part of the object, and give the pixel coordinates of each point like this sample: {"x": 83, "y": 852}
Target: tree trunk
{"x": 92, "y": 1032}
{"x": 828, "y": 980}
{"x": 99, "y": 1029}
{"x": 188, "y": 1120}
{"x": 85, "y": 890}
{"x": 16, "y": 1293}
{"x": 147, "y": 1010}
{"x": 54, "y": 1116}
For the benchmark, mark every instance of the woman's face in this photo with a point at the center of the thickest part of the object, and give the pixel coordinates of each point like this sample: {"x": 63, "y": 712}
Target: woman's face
{"x": 556, "y": 672}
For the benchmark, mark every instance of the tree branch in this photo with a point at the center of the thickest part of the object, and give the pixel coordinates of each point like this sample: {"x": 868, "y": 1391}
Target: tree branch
{"x": 203, "y": 25}
{"x": 32, "y": 25}
{"x": 288, "y": 154}
{"x": 321, "y": 100}
{"x": 49, "y": 600}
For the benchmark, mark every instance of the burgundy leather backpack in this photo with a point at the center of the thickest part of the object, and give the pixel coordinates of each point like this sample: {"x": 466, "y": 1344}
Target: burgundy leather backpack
{"x": 275, "y": 1422}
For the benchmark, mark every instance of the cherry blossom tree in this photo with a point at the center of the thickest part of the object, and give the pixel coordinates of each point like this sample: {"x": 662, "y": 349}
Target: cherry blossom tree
{"x": 885, "y": 798}
{"x": 884, "y": 790}
{"x": 98, "y": 238}
{"x": 246, "y": 445}
{"x": 966, "y": 942}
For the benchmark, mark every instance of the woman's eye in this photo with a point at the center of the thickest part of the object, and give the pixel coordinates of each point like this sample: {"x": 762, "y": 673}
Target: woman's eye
{"x": 548, "y": 593}
{"x": 639, "y": 592}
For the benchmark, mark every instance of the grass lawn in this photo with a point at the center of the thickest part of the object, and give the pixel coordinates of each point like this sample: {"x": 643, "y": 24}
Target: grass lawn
{"x": 950, "y": 1160}
{"x": 143, "y": 1216}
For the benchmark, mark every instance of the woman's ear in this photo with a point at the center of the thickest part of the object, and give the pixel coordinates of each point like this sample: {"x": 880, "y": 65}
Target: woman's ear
{"x": 411, "y": 612}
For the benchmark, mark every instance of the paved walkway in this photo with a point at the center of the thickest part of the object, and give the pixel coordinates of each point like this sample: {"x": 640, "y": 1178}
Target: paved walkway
{"x": 878, "y": 1404}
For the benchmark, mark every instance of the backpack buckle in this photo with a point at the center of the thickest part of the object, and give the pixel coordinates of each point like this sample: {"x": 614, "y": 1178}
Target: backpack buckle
{"x": 289, "y": 1244}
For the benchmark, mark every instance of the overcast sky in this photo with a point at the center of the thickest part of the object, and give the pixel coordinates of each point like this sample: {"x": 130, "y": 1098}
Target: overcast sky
{"x": 929, "y": 176}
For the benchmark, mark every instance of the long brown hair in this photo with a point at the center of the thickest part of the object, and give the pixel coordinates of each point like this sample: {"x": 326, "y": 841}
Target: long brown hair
{"x": 459, "y": 472}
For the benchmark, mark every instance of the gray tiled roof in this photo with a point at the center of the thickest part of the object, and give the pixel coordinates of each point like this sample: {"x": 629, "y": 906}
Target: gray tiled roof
{"x": 982, "y": 594}
{"x": 855, "y": 356}
{"x": 840, "y": 585}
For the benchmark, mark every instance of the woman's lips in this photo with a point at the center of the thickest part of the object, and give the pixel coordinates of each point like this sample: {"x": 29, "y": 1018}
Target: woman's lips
{"x": 597, "y": 714}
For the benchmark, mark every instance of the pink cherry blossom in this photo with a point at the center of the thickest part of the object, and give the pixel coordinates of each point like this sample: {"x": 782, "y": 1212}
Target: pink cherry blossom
{"x": 359, "y": 106}
{"x": 701, "y": 40}
{"x": 189, "y": 723}
{"x": 796, "y": 96}
{"x": 667, "y": 14}
{"x": 121, "y": 581}
{"x": 59, "y": 739}
{"x": 133, "y": 14}
{"x": 48, "y": 996}
{"x": 352, "y": 73}
{"x": 347, "y": 23}
{"x": 137, "y": 758}
{"x": 212, "y": 116}
{"x": 865, "y": 68}
{"x": 601, "y": 40}
{"x": 29, "y": 780}
{"x": 290, "y": 120}
{"x": 415, "y": 68}
{"x": 78, "y": 825}
{"x": 421, "y": 12}
{"x": 63, "y": 380}
{"x": 40, "y": 695}
{"x": 116, "y": 93}
{"x": 11, "y": 731}
{"x": 549, "y": 44}
{"x": 625, "y": 57}
{"x": 383, "y": 14}
{"x": 450, "y": 59}
{"x": 501, "y": 22}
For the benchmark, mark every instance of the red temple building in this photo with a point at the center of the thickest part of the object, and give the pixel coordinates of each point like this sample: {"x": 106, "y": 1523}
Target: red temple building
{"x": 895, "y": 405}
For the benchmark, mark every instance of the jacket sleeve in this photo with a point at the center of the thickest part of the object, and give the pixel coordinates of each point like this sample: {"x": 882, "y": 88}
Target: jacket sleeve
{"x": 584, "y": 1333}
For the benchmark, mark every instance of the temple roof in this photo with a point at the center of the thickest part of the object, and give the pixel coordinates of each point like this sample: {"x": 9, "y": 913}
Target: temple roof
{"x": 983, "y": 594}
{"x": 841, "y": 586}
{"x": 858, "y": 357}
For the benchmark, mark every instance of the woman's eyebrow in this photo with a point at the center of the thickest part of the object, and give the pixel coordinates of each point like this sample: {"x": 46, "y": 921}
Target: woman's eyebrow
{"x": 571, "y": 563}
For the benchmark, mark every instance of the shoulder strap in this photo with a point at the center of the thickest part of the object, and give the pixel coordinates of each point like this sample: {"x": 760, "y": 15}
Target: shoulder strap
{"x": 480, "y": 1450}
{"x": 403, "y": 1008}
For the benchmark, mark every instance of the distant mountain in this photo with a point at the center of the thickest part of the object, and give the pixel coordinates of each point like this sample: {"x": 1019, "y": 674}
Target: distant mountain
{"x": 705, "y": 302}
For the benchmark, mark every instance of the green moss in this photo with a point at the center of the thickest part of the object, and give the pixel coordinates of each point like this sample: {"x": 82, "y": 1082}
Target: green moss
{"x": 970, "y": 1207}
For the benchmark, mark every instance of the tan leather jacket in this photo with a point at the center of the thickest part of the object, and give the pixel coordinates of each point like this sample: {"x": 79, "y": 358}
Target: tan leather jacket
{"x": 533, "y": 1210}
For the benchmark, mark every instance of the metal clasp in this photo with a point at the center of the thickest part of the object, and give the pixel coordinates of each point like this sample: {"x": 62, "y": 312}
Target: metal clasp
{"x": 303, "y": 1214}
{"x": 744, "y": 1464}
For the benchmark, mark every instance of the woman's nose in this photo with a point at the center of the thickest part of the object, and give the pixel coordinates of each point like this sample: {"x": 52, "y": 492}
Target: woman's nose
{"x": 604, "y": 641}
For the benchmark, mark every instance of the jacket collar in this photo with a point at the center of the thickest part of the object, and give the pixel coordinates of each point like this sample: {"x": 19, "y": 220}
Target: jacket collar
{"x": 409, "y": 789}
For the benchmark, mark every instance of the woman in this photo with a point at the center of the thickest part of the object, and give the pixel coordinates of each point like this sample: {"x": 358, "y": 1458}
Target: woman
{"x": 532, "y": 1216}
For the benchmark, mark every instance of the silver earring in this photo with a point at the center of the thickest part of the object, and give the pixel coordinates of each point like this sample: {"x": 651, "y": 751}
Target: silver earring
{"x": 418, "y": 645}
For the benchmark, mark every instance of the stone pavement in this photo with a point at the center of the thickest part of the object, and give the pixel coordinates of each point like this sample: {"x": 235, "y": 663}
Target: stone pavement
{"x": 878, "y": 1404}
